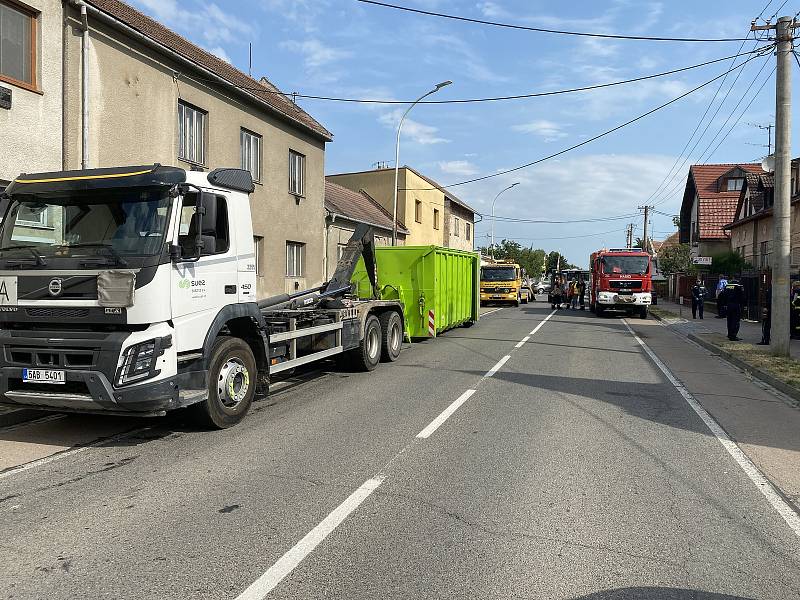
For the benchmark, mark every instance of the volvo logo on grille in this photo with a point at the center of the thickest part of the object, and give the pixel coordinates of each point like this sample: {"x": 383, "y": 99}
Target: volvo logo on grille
{"x": 54, "y": 287}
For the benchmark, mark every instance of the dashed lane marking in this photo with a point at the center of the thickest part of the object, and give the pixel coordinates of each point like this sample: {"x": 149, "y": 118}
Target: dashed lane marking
{"x": 444, "y": 415}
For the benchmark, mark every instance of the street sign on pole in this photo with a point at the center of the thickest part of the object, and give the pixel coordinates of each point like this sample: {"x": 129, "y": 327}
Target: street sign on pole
{"x": 701, "y": 260}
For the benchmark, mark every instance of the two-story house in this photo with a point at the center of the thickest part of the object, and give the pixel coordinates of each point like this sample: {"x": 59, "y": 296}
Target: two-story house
{"x": 430, "y": 213}
{"x": 709, "y": 203}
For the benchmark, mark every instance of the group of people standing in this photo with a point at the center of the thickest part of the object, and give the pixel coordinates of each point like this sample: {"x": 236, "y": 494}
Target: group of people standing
{"x": 572, "y": 293}
{"x": 730, "y": 298}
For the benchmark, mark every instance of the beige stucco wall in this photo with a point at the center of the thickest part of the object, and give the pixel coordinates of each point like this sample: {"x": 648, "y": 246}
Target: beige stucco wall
{"x": 380, "y": 185}
{"x": 31, "y": 130}
{"x": 133, "y": 120}
{"x": 466, "y": 218}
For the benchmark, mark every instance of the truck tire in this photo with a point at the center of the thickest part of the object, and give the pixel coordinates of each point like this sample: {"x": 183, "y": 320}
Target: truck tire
{"x": 599, "y": 310}
{"x": 232, "y": 377}
{"x": 643, "y": 312}
{"x": 368, "y": 354}
{"x": 391, "y": 336}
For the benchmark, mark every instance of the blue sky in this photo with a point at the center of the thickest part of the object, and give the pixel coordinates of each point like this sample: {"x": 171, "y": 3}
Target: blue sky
{"x": 347, "y": 49}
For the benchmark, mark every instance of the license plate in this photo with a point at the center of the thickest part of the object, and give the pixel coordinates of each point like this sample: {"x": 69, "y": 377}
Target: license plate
{"x": 43, "y": 376}
{"x": 497, "y": 297}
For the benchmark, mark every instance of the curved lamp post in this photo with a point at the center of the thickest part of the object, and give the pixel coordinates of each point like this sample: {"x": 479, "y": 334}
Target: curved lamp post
{"x": 493, "y": 201}
{"x": 397, "y": 155}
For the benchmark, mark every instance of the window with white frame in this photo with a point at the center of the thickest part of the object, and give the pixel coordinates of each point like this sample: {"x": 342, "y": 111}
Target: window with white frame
{"x": 456, "y": 227}
{"x": 469, "y": 231}
{"x": 251, "y": 153}
{"x": 258, "y": 247}
{"x": 297, "y": 173}
{"x": 436, "y": 218}
{"x": 295, "y": 259}
{"x": 735, "y": 184}
{"x": 191, "y": 133}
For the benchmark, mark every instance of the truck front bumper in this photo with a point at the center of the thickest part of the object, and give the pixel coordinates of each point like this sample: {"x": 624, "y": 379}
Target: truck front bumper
{"x": 89, "y": 392}
{"x": 622, "y": 301}
{"x": 499, "y": 297}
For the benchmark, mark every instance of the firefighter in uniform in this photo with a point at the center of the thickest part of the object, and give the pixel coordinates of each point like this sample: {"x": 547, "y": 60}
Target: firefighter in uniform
{"x": 766, "y": 323}
{"x": 795, "y": 315}
{"x": 734, "y": 299}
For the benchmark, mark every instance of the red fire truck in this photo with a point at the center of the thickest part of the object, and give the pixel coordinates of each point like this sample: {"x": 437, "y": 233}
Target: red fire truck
{"x": 621, "y": 280}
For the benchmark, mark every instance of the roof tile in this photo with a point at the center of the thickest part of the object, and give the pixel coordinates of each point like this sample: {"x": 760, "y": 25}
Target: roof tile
{"x": 358, "y": 206}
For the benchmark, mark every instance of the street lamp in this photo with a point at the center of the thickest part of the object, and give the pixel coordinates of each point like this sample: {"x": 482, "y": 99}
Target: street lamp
{"x": 495, "y": 200}
{"x": 397, "y": 155}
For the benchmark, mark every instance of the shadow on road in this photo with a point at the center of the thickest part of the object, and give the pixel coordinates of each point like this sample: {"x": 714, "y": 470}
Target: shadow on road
{"x": 657, "y": 593}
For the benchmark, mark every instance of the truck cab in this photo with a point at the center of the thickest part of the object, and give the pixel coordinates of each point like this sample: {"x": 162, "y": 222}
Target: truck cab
{"x": 133, "y": 291}
{"x": 501, "y": 281}
{"x": 621, "y": 280}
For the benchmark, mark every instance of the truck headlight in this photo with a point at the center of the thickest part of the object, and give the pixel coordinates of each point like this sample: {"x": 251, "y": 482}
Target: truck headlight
{"x": 139, "y": 360}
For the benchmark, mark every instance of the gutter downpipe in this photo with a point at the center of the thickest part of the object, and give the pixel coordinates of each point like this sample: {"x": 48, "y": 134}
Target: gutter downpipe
{"x": 84, "y": 82}
{"x": 179, "y": 58}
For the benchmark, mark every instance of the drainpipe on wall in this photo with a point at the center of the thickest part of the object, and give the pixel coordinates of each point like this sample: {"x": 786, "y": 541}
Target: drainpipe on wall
{"x": 84, "y": 82}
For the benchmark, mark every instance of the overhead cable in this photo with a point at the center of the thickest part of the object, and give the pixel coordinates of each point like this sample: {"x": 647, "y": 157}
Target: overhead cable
{"x": 542, "y": 29}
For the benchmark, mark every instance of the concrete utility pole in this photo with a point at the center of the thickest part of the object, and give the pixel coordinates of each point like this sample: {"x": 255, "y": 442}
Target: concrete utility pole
{"x": 782, "y": 215}
{"x": 646, "y": 210}
{"x": 629, "y": 236}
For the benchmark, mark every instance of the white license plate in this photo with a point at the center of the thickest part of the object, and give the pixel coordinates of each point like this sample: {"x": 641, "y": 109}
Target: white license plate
{"x": 43, "y": 376}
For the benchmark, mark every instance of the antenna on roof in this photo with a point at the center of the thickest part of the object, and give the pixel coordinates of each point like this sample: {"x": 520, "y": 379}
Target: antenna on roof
{"x": 381, "y": 164}
{"x": 250, "y": 67}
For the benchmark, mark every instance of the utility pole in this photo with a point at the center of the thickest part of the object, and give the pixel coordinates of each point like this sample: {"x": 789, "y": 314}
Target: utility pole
{"x": 646, "y": 210}
{"x": 781, "y": 237}
{"x": 629, "y": 236}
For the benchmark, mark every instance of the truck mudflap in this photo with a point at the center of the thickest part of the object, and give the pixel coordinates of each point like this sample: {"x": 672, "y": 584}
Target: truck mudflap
{"x": 89, "y": 392}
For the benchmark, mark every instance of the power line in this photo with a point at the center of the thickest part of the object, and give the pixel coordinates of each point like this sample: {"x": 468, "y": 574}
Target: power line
{"x": 563, "y": 237}
{"x": 670, "y": 175}
{"x": 611, "y": 36}
{"x": 543, "y": 221}
{"x": 262, "y": 89}
{"x": 596, "y": 137}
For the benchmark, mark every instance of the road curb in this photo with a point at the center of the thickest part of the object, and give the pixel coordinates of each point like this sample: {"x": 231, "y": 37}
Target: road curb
{"x": 755, "y": 372}
{"x": 15, "y": 416}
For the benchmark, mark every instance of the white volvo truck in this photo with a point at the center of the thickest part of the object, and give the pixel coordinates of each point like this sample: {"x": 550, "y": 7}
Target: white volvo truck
{"x": 133, "y": 291}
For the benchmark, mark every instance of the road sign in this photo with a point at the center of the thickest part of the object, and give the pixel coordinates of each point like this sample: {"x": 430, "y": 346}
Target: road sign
{"x": 701, "y": 260}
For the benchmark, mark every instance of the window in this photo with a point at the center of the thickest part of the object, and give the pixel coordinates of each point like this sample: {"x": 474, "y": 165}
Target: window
{"x": 456, "y": 226}
{"x": 258, "y": 247}
{"x": 295, "y": 259}
{"x": 251, "y": 153}
{"x": 469, "y": 231}
{"x": 187, "y": 232}
{"x": 297, "y": 173}
{"x": 436, "y": 218}
{"x": 17, "y": 44}
{"x": 418, "y": 211}
{"x": 191, "y": 133}
{"x": 735, "y": 184}
{"x": 32, "y": 216}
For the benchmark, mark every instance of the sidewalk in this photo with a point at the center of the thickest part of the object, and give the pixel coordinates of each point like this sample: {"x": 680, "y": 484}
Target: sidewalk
{"x": 749, "y": 331}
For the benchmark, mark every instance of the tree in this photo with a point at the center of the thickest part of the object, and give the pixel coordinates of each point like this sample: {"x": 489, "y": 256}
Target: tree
{"x": 556, "y": 260}
{"x": 676, "y": 259}
{"x": 639, "y": 243}
{"x": 728, "y": 263}
{"x": 529, "y": 259}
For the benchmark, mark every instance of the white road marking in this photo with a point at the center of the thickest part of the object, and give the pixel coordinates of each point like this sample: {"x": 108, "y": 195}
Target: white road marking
{"x": 273, "y": 576}
{"x": 491, "y": 312}
{"x": 755, "y": 475}
{"x": 445, "y": 414}
{"x": 522, "y": 342}
{"x": 70, "y": 452}
{"x": 539, "y": 326}
{"x": 497, "y": 367}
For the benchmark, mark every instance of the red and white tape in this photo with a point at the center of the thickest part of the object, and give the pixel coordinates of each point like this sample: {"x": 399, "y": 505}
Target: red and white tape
{"x": 431, "y": 324}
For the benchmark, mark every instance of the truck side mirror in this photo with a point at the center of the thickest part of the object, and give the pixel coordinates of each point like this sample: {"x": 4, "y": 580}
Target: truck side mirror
{"x": 207, "y": 209}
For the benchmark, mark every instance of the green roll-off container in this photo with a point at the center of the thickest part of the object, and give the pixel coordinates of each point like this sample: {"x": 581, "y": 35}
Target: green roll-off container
{"x": 439, "y": 287}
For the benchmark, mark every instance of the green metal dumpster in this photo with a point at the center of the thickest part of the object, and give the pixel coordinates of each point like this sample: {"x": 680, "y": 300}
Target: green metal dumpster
{"x": 439, "y": 287}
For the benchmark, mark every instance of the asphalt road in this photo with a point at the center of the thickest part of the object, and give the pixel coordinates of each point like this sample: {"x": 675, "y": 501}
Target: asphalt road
{"x": 576, "y": 470}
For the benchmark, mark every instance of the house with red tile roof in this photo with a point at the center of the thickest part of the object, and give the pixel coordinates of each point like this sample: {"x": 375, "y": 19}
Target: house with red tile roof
{"x": 751, "y": 230}
{"x": 709, "y": 203}
{"x": 345, "y": 209}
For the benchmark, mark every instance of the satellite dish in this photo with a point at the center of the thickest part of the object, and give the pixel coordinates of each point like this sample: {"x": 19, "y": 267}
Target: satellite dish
{"x": 768, "y": 164}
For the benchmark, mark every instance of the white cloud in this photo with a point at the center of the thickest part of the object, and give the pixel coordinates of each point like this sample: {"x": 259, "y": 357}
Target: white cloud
{"x": 418, "y": 132}
{"x": 549, "y": 131}
{"x": 220, "y": 52}
{"x": 315, "y": 53}
{"x": 458, "y": 167}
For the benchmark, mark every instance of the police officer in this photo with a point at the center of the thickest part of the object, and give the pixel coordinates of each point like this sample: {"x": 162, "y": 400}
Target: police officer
{"x": 698, "y": 298}
{"x": 766, "y": 323}
{"x": 734, "y": 300}
{"x": 795, "y": 314}
{"x": 721, "y": 300}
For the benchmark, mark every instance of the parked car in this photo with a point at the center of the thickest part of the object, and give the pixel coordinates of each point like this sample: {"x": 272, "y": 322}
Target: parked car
{"x": 543, "y": 287}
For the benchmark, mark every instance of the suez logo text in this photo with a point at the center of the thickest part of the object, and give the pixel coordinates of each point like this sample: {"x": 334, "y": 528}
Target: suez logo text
{"x": 185, "y": 284}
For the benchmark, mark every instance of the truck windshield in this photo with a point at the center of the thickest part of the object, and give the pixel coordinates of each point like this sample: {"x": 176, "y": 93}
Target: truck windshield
{"x": 626, "y": 265}
{"x": 498, "y": 274}
{"x": 129, "y": 223}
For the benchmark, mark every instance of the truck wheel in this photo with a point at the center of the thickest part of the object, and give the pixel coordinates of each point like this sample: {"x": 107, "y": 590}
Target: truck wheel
{"x": 599, "y": 310}
{"x": 643, "y": 312}
{"x": 391, "y": 336}
{"x": 368, "y": 354}
{"x": 232, "y": 378}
